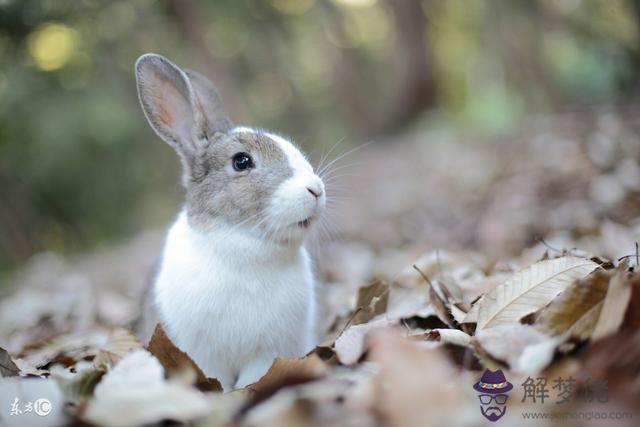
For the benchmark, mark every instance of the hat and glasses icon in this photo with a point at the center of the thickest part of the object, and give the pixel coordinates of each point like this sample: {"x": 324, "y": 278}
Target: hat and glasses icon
{"x": 493, "y": 388}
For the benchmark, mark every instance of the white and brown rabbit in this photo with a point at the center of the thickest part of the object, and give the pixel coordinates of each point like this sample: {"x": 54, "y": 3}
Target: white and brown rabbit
{"x": 234, "y": 288}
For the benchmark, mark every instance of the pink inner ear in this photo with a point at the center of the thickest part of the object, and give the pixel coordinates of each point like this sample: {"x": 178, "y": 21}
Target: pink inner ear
{"x": 164, "y": 116}
{"x": 171, "y": 108}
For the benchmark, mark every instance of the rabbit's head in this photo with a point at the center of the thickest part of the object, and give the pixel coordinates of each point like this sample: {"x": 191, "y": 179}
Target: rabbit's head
{"x": 238, "y": 177}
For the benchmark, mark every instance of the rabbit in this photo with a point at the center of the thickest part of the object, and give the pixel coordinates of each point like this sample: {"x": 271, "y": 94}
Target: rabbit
{"x": 234, "y": 288}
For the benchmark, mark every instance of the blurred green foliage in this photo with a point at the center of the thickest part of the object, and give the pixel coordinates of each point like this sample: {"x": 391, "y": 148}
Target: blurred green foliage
{"x": 79, "y": 165}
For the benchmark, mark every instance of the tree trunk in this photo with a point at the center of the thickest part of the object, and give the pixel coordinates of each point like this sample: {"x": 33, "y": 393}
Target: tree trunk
{"x": 413, "y": 86}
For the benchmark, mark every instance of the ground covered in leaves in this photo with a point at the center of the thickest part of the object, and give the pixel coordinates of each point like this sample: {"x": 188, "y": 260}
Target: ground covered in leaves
{"x": 449, "y": 255}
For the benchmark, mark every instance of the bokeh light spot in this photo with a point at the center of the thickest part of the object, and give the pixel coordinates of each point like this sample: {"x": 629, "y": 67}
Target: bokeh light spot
{"x": 51, "y": 46}
{"x": 355, "y": 3}
{"x": 228, "y": 38}
{"x": 369, "y": 27}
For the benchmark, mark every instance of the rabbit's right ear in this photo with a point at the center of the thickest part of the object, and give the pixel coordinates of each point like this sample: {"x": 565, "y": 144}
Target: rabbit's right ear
{"x": 169, "y": 103}
{"x": 209, "y": 99}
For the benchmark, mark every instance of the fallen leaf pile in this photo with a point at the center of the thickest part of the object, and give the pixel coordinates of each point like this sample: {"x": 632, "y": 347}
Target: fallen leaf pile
{"x": 409, "y": 319}
{"x": 381, "y": 367}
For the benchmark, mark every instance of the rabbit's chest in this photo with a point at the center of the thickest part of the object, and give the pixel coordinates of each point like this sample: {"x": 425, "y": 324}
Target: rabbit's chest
{"x": 220, "y": 295}
{"x": 226, "y": 308}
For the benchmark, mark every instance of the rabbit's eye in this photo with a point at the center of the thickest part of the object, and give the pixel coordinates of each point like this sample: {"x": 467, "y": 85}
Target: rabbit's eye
{"x": 242, "y": 161}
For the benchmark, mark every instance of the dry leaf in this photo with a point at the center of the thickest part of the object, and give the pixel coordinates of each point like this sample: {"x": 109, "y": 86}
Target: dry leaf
{"x": 632, "y": 317}
{"x": 282, "y": 409}
{"x": 439, "y": 303}
{"x": 472, "y": 314}
{"x": 82, "y": 384}
{"x": 616, "y": 358}
{"x": 70, "y": 348}
{"x": 119, "y": 342}
{"x": 174, "y": 360}
{"x": 455, "y": 267}
{"x": 326, "y": 353}
{"x": 408, "y": 302}
{"x": 576, "y": 310}
{"x": 523, "y": 347}
{"x": 536, "y": 357}
{"x": 440, "y": 307}
{"x": 614, "y": 305}
{"x": 327, "y": 401}
{"x": 372, "y": 301}
{"x": 459, "y": 311}
{"x": 289, "y": 370}
{"x": 7, "y": 367}
{"x": 350, "y": 345}
{"x": 448, "y": 336}
{"x": 529, "y": 290}
{"x": 135, "y": 392}
{"x": 415, "y": 386}
{"x": 27, "y": 368}
{"x": 432, "y": 264}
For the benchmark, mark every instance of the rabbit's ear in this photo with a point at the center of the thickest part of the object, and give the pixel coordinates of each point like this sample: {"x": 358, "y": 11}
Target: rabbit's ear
{"x": 209, "y": 99}
{"x": 169, "y": 102}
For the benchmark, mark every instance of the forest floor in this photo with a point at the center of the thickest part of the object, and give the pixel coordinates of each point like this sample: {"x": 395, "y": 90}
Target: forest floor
{"x": 443, "y": 254}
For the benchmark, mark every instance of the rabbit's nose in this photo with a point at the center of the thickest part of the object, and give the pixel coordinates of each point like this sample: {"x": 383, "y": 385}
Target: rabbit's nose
{"x": 315, "y": 190}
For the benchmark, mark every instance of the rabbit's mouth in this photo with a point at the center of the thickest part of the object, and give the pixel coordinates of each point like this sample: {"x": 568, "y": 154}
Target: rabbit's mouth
{"x": 305, "y": 223}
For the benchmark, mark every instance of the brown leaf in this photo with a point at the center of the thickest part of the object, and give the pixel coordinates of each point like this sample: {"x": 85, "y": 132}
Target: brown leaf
{"x": 616, "y": 358}
{"x": 438, "y": 303}
{"x": 415, "y": 386}
{"x": 135, "y": 392}
{"x": 576, "y": 311}
{"x": 174, "y": 360}
{"x": 614, "y": 305}
{"x": 351, "y": 344}
{"x": 85, "y": 385}
{"x": 445, "y": 336}
{"x": 440, "y": 306}
{"x": 372, "y": 300}
{"x": 326, "y": 353}
{"x": 286, "y": 371}
{"x": 7, "y": 367}
{"x": 632, "y": 317}
{"x": 119, "y": 342}
{"x": 459, "y": 310}
{"x": 460, "y": 347}
{"x": 529, "y": 290}
{"x": 524, "y": 348}
{"x": 103, "y": 345}
{"x": 408, "y": 302}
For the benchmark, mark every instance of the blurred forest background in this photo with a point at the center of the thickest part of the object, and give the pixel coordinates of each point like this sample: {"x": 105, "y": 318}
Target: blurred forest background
{"x": 80, "y": 168}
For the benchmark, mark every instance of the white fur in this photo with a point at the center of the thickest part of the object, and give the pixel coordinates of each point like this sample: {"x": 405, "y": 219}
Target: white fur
{"x": 292, "y": 201}
{"x": 233, "y": 300}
